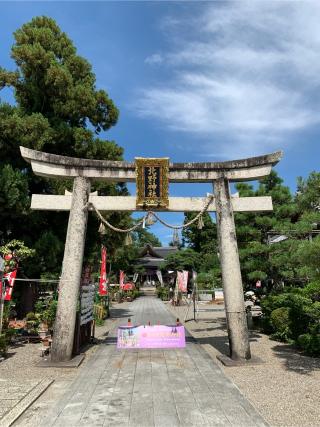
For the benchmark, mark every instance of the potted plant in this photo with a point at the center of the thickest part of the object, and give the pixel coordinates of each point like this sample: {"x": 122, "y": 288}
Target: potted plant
{"x": 46, "y": 313}
{"x": 32, "y": 323}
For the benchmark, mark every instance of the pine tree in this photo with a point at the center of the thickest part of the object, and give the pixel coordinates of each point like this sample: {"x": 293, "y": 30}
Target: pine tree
{"x": 58, "y": 110}
{"x": 260, "y": 260}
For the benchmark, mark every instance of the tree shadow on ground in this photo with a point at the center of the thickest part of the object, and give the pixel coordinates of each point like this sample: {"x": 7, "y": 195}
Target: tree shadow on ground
{"x": 296, "y": 361}
{"x": 218, "y": 323}
{"x": 9, "y": 354}
{"x": 293, "y": 359}
{"x": 111, "y": 341}
{"x": 15, "y": 345}
{"x": 18, "y": 344}
{"x": 118, "y": 313}
{"x": 219, "y": 342}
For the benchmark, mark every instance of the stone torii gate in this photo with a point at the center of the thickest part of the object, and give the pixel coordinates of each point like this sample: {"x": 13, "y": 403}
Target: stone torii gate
{"x": 82, "y": 171}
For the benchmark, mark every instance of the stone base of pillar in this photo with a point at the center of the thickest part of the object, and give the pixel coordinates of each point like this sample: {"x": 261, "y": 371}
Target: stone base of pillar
{"x": 238, "y": 336}
{"x": 227, "y": 361}
{"x": 75, "y": 362}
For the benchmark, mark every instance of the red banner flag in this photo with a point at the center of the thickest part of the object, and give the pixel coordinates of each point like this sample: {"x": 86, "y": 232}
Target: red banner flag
{"x": 103, "y": 273}
{"x": 10, "y": 277}
{"x": 121, "y": 280}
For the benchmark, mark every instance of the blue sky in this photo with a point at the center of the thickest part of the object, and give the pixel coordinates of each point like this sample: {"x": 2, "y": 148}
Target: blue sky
{"x": 198, "y": 81}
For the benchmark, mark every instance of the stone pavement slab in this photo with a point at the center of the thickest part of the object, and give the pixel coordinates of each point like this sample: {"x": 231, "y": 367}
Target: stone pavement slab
{"x": 152, "y": 387}
{"x": 24, "y": 395}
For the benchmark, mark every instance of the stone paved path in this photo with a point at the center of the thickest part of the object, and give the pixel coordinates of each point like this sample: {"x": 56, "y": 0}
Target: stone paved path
{"x": 175, "y": 387}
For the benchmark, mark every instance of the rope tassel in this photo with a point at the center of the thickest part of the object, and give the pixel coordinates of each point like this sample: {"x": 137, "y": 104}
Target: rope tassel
{"x": 150, "y": 220}
{"x": 128, "y": 239}
{"x": 200, "y": 223}
{"x": 175, "y": 237}
{"x": 102, "y": 229}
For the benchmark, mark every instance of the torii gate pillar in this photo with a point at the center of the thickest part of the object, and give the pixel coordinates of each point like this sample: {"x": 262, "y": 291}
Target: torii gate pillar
{"x": 71, "y": 272}
{"x": 231, "y": 274}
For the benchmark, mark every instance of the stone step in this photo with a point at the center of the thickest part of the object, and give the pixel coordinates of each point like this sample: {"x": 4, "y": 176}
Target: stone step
{"x": 148, "y": 291}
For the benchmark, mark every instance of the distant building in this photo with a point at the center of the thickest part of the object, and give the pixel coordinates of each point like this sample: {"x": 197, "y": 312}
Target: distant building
{"x": 276, "y": 238}
{"x": 151, "y": 258}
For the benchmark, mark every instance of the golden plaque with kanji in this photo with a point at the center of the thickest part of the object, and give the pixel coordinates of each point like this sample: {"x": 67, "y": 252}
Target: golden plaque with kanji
{"x": 152, "y": 178}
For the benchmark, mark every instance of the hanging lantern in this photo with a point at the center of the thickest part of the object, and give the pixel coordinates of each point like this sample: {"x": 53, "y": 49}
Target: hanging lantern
{"x": 150, "y": 219}
{"x": 200, "y": 223}
{"x": 175, "y": 237}
{"x": 102, "y": 229}
{"x": 128, "y": 239}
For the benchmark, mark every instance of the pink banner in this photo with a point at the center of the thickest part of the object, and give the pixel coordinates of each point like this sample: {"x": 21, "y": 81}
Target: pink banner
{"x": 121, "y": 279}
{"x": 182, "y": 277}
{"x": 157, "y": 336}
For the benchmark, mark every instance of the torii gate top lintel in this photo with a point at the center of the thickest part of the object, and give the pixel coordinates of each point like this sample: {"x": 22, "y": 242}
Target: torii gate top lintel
{"x": 53, "y": 165}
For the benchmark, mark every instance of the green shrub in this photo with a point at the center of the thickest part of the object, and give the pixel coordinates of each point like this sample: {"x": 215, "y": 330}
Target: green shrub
{"x": 45, "y": 311}
{"x": 10, "y": 333}
{"x": 49, "y": 315}
{"x": 128, "y": 294}
{"x": 163, "y": 293}
{"x": 312, "y": 290}
{"x": 265, "y": 325}
{"x": 31, "y": 316}
{"x": 310, "y": 344}
{"x": 135, "y": 293}
{"x": 206, "y": 280}
{"x": 40, "y": 307}
{"x": 32, "y": 323}
{"x": 3, "y": 345}
{"x": 294, "y": 316}
{"x": 98, "y": 322}
{"x": 299, "y": 317}
{"x": 280, "y": 321}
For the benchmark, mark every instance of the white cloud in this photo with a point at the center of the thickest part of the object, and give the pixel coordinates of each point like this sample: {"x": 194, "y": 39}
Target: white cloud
{"x": 247, "y": 75}
{"x": 155, "y": 58}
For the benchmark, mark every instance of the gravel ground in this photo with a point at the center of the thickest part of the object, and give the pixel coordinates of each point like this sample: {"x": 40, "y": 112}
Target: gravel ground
{"x": 285, "y": 388}
{"x": 19, "y": 373}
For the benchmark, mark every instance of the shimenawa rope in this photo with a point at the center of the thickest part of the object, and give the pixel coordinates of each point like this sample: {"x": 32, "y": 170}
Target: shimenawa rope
{"x": 151, "y": 214}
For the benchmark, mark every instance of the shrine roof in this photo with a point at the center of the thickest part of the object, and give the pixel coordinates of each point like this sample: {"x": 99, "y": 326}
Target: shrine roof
{"x": 157, "y": 252}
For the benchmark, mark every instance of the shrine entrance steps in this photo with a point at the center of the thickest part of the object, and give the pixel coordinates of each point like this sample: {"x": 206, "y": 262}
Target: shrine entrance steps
{"x": 148, "y": 291}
